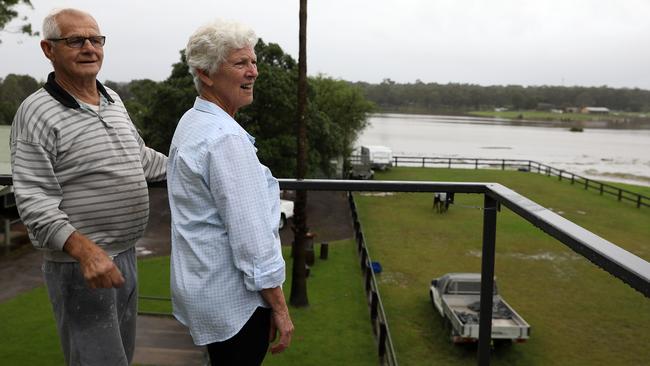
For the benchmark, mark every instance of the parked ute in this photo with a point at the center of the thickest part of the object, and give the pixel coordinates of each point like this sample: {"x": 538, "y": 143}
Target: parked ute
{"x": 286, "y": 212}
{"x": 457, "y": 298}
{"x": 378, "y": 157}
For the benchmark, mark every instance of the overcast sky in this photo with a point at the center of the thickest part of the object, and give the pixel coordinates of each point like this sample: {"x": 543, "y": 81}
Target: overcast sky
{"x": 487, "y": 42}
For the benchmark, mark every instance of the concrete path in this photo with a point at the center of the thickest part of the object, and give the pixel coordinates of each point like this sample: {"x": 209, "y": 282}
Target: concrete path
{"x": 163, "y": 341}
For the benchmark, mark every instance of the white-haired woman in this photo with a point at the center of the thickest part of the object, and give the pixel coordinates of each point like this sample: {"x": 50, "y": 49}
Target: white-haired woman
{"x": 226, "y": 265}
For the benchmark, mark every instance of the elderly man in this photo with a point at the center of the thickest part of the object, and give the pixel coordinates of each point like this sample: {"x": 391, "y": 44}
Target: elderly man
{"x": 80, "y": 174}
{"x": 227, "y": 266}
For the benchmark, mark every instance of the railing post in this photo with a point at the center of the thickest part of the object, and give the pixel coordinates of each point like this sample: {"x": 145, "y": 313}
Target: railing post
{"x": 638, "y": 201}
{"x": 374, "y": 304}
{"x": 382, "y": 341}
{"x": 395, "y": 158}
{"x": 573, "y": 178}
{"x": 368, "y": 278}
{"x": 620, "y": 194}
{"x": 487, "y": 280}
{"x": 503, "y": 164}
{"x": 559, "y": 175}
{"x": 423, "y": 161}
{"x": 601, "y": 189}
{"x": 586, "y": 183}
{"x": 449, "y": 164}
{"x": 529, "y": 166}
{"x": 475, "y": 163}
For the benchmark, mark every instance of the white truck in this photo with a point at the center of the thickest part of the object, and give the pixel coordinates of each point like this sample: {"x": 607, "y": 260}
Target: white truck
{"x": 457, "y": 296}
{"x": 378, "y": 157}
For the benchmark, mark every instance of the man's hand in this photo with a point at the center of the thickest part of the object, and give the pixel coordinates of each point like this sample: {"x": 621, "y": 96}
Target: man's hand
{"x": 280, "y": 320}
{"x": 98, "y": 269}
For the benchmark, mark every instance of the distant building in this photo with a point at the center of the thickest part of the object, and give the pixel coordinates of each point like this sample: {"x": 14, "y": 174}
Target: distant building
{"x": 572, "y": 110}
{"x": 595, "y": 110}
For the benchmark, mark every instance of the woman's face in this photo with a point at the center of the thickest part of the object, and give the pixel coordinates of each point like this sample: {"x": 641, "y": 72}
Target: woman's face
{"x": 232, "y": 84}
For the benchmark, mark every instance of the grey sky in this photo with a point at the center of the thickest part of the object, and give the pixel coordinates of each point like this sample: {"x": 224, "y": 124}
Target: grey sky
{"x": 487, "y": 42}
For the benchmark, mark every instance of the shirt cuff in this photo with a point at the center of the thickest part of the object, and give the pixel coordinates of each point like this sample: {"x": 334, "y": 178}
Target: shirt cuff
{"x": 60, "y": 237}
{"x": 270, "y": 275}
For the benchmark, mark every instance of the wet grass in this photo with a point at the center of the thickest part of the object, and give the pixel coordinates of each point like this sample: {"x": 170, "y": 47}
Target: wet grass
{"x": 579, "y": 314}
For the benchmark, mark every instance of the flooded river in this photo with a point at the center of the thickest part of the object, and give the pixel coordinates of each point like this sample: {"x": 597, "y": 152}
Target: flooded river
{"x": 621, "y": 155}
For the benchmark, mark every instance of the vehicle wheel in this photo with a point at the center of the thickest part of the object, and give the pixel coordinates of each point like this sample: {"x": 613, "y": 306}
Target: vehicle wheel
{"x": 283, "y": 221}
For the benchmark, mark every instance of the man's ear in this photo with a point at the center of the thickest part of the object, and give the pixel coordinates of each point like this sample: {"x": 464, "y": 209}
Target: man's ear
{"x": 48, "y": 49}
{"x": 204, "y": 77}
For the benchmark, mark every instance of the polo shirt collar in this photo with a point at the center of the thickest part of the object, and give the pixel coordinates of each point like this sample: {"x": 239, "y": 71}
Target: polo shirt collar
{"x": 63, "y": 97}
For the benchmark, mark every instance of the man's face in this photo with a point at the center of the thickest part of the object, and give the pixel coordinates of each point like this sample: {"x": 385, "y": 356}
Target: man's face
{"x": 71, "y": 63}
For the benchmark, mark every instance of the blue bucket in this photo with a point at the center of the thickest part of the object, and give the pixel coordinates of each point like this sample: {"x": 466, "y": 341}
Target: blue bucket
{"x": 376, "y": 267}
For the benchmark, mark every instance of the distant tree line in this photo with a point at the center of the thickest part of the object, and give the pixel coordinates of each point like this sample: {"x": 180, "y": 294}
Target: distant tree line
{"x": 336, "y": 112}
{"x": 422, "y": 97}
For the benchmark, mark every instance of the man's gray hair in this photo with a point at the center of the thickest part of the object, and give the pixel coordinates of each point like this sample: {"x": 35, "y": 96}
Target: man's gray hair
{"x": 211, "y": 44}
{"x": 51, "y": 27}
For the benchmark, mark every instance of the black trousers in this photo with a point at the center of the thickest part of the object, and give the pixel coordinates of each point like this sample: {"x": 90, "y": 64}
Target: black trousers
{"x": 248, "y": 347}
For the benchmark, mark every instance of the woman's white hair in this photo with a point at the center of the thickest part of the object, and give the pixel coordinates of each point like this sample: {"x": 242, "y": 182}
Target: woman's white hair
{"x": 211, "y": 44}
{"x": 51, "y": 27}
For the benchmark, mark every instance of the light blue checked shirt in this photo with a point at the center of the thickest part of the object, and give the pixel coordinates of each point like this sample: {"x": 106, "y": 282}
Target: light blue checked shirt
{"x": 225, "y": 209}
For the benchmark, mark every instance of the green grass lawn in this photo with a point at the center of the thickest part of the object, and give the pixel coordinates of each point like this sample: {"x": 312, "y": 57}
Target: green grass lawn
{"x": 579, "y": 314}
{"x": 334, "y": 329}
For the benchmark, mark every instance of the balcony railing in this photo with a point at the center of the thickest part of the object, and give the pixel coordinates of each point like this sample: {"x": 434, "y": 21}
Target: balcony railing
{"x": 620, "y": 263}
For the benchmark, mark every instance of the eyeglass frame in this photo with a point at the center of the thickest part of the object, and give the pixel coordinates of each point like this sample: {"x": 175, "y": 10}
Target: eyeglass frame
{"x": 101, "y": 43}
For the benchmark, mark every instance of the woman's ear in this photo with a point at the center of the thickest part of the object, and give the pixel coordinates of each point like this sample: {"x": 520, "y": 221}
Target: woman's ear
{"x": 204, "y": 77}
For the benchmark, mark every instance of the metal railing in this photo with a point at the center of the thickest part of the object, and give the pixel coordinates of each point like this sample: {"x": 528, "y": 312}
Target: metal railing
{"x": 378, "y": 319}
{"x": 629, "y": 268}
{"x": 621, "y": 194}
{"x": 620, "y": 263}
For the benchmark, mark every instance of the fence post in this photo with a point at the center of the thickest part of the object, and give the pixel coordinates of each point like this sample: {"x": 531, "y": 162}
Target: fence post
{"x": 423, "y": 161}
{"x": 475, "y": 163}
{"x": 586, "y": 183}
{"x": 638, "y": 201}
{"x": 449, "y": 164}
{"x": 374, "y": 305}
{"x": 503, "y": 164}
{"x": 560, "y": 175}
{"x": 529, "y": 166}
{"x": 487, "y": 279}
{"x": 382, "y": 341}
{"x": 620, "y": 194}
{"x": 368, "y": 278}
{"x": 324, "y": 250}
{"x": 601, "y": 189}
{"x": 573, "y": 178}
{"x": 395, "y": 158}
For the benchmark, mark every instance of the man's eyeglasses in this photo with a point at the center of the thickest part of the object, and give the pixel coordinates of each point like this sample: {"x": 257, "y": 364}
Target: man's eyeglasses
{"x": 78, "y": 42}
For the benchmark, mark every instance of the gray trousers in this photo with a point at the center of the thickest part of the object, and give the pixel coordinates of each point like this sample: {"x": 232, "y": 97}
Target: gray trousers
{"x": 96, "y": 326}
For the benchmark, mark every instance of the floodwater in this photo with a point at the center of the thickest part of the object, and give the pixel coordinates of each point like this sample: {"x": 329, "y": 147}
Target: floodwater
{"x": 621, "y": 155}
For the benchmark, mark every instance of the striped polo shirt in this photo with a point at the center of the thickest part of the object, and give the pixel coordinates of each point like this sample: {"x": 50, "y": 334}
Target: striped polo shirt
{"x": 78, "y": 169}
